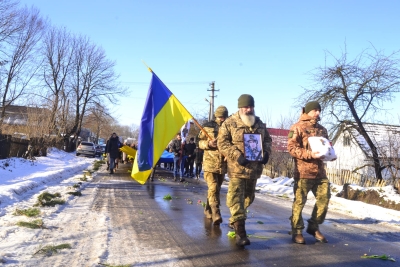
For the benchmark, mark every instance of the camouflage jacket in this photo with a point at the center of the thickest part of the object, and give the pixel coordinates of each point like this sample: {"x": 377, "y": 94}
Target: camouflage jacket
{"x": 231, "y": 145}
{"x": 305, "y": 165}
{"x": 213, "y": 160}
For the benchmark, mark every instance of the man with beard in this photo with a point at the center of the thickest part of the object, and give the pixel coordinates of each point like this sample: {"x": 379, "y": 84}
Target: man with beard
{"x": 243, "y": 174}
{"x": 214, "y": 164}
{"x": 309, "y": 174}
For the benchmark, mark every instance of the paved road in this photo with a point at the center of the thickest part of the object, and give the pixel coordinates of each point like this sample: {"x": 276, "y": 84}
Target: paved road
{"x": 175, "y": 233}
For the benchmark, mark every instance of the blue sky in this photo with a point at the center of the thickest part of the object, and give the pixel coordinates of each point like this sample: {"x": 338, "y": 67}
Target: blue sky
{"x": 263, "y": 48}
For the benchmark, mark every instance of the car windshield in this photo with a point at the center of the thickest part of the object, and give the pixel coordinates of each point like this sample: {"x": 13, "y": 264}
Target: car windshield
{"x": 86, "y": 144}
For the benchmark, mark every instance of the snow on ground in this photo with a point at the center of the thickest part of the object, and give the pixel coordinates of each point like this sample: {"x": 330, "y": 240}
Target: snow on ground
{"x": 21, "y": 181}
{"x": 281, "y": 186}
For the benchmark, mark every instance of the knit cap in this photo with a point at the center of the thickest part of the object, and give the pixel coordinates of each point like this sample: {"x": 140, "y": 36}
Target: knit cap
{"x": 245, "y": 100}
{"x": 221, "y": 111}
{"x": 311, "y": 106}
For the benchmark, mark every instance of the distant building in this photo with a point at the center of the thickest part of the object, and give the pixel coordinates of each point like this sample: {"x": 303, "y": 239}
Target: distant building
{"x": 279, "y": 139}
{"x": 354, "y": 154}
{"x": 24, "y": 120}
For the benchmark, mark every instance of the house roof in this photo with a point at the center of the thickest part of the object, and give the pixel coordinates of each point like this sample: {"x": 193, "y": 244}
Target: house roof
{"x": 18, "y": 115}
{"x": 385, "y": 137}
{"x": 279, "y": 139}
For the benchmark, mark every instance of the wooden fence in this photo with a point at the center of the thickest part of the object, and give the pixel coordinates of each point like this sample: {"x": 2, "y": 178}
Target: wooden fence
{"x": 341, "y": 177}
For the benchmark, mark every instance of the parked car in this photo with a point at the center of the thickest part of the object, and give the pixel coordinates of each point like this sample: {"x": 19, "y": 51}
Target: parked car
{"x": 99, "y": 150}
{"x": 103, "y": 148}
{"x": 86, "y": 148}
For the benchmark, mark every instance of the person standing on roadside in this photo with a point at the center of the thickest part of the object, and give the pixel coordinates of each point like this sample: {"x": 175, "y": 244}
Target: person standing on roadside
{"x": 199, "y": 161}
{"x": 243, "y": 173}
{"x": 176, "y": 148}
{"x": 309, "y": 174}
{"x": 112, "y": 148}
{"x": 214, "y": 164}
{"x": 190, "y": 157}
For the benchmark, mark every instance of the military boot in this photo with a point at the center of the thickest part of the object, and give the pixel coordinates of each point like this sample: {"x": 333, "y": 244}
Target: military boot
{"x": 216, "y": 216}
{"x": 208, "y": 213}
{"x": 316, "y": 233}
{"x": 240, "y": 233}
{"x": 298, "y": 238}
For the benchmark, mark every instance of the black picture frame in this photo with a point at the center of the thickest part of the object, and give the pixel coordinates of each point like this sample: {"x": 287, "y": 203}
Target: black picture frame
{"x": 253, "y": 150}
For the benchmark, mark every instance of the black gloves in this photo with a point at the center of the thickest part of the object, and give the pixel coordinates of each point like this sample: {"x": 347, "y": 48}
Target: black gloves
{"x": 242, "y": 161}
{"x": 265, "y": 158}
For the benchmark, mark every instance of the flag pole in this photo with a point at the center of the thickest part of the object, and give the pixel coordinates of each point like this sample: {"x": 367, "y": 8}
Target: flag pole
{"x": 147, "y": 66}
{"x": 202, "y": 129}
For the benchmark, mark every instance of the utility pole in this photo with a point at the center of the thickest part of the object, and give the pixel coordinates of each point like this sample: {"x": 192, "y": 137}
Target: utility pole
{"x": 211, "y": 113}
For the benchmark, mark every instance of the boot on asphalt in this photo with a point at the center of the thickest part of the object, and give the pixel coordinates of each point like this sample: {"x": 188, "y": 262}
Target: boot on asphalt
{"x": 216, "y": 217}
{"x": 317, "y": 234}
{"x": 207, "y": 213}
{"x": 240, "y": 234}
{"x": 298, "y": 239}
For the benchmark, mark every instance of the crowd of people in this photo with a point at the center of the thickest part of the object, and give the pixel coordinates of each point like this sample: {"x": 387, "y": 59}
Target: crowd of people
{"x": 239, "y": 145}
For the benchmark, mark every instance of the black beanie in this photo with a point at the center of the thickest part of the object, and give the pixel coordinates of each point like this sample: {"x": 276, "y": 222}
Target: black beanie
{"x": 245, "y": 100}
{"x": 311, "y": 106}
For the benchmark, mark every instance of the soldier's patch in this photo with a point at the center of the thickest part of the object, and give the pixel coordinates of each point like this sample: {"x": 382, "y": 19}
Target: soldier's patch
{"x": 290, "y": 135}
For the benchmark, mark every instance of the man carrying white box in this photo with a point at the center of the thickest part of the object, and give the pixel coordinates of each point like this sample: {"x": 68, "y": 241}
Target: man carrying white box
{"x": 309, "y": 174}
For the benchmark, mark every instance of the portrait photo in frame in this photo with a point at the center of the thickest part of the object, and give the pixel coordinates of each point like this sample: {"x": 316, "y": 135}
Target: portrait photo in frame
{"x": 253, "y": 150}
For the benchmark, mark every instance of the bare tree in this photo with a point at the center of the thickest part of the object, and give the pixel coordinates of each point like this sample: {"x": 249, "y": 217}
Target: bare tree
{"x": 353, "y": 91}
{"x": 8, "y": 26}
{"x": 93, "y": 79}
{"x": 19, "y": 66}
{"x": 57, "y": 51}
{"x": 388, "y": 147}
{"x": 97, "y": 121}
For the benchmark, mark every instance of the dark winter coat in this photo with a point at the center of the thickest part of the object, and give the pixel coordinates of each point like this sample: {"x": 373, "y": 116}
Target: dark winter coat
{"x": 190, "y": 150}
{"x": 199, "y": 156}
{"x": 112, "y": 147}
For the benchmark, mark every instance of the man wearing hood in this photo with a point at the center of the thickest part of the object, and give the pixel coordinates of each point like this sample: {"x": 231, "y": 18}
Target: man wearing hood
{"x": 309, "y": 174}
{"x": 243, "y": 173}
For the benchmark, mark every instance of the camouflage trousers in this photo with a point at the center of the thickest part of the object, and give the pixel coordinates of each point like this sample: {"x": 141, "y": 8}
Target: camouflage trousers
{"x": 241, "y": 193}
{"x": 214, "y": 182}
{"x": 322, "y": 193}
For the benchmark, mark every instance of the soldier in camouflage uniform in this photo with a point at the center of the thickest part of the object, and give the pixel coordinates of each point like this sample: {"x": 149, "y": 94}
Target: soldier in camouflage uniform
{"x": 243, "y": 174}
{"x": 309, "y": 174}
{"x": 214, "y": 164}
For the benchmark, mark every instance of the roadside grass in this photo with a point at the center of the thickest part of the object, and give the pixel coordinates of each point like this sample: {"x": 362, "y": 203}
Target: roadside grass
{"x": 76, "y": 193}
{"x": 48, "y": 199}
{"x": 97, "y": 164}
{"x": 51, "y": 249}
{"x": 35, "y": 224}
{"x": 30, "y": 212}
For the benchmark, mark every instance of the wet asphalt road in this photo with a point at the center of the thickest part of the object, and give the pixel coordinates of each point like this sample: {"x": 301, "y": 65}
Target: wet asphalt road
{"x": 179, "y": 229}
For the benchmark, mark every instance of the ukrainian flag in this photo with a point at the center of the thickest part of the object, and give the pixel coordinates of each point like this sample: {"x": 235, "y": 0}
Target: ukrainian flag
{"x": 162, "y": 118}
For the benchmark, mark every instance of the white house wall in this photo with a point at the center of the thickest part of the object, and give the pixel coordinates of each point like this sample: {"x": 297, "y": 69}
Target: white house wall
{"x": 348, "y": 157}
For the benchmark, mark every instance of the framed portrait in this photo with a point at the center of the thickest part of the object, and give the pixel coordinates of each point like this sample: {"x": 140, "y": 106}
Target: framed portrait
{"x": 253, "y": 150}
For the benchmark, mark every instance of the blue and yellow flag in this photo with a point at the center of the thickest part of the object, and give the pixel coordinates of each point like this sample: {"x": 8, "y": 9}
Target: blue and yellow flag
{"x": 162, "y": 118}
